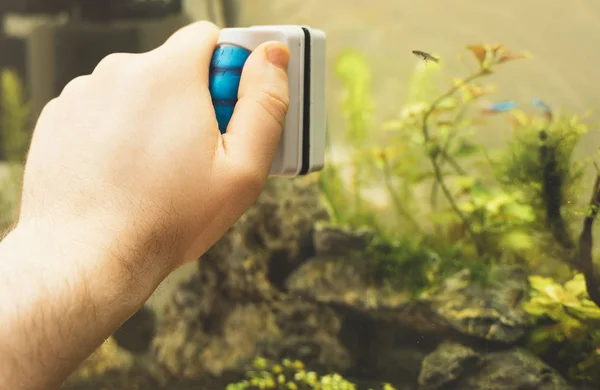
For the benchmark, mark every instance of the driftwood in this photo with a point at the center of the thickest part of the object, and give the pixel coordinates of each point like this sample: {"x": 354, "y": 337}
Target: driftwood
{"x": 578, "y": 254}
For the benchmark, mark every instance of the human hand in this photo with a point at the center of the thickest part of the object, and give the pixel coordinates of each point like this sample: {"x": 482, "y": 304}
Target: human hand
{"x": 131, "y": 156}
{"x": 127, "y": 177}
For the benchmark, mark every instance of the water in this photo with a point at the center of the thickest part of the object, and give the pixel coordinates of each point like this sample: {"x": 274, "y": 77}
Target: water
{"x": 379, "y": 271}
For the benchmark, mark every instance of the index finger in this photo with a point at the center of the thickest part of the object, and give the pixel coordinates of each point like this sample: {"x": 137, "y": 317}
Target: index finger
{"x": 191, "y": 48}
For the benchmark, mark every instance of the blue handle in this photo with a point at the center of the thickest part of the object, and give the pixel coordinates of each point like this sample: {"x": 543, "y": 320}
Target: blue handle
{"x": 224, "y": 80}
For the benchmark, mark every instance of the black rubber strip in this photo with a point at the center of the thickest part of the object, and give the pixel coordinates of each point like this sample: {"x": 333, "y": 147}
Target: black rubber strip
{"x": 306, "y": 107}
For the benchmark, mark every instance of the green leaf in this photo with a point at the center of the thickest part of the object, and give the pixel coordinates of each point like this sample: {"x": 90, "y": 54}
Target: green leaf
{"x": 479, "y": 191}
{"x": 467, "y": 149}
{"x": 544, "y": 306}
{"x": 576, "y": 286}
{"x": 540, "y": 283}
{"x": 584, "y": 310}
{"x": 444, "y": 217}
{"x": 522, "y": 212}
{"x": 517, "y": 241}
{"x": 464, "y": 181}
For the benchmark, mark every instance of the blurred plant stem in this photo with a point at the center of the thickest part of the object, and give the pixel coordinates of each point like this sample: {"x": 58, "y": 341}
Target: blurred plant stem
{"x": 433, "y": 157}
{"x": 446, "y": 157}
{"x": 583, "y": 260}
{"x": 328, "y": 180}
{"x": 402, "y": 211}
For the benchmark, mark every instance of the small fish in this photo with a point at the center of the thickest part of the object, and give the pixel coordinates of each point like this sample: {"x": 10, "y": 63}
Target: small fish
{"x": 501, "y": 107}
{"x": 425, "y": 56}
{"x": 538, "y": 103}
{"x": 544, "y": 107}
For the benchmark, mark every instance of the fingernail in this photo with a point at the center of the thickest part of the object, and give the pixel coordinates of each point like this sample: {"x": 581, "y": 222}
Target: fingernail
{"x": 278, "y": 54}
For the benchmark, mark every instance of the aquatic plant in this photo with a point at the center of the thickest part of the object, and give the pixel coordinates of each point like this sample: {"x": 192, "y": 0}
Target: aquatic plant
{"x": 442, "y": 131}
{"x": 403, "y": 264}
{"x": 552, "y": 181}
{"x": 291, "y": 375}
{"x": 427, "y": 151}
{"x": 347, "y": 206}
{"x": 15, "y": 137}
{"x": 565, "y": 326}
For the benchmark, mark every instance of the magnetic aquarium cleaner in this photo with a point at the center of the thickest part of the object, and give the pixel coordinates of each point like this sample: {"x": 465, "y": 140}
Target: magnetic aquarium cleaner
{"x": 302, "y": 146}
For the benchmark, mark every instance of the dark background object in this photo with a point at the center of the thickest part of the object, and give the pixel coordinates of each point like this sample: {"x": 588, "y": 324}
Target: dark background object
{"x": 230, "y": 11}
{"x": 136, "y": 334}
{"x": 36, "y": 6}
{"x": 12, "y": 56}
{"x": 95, "y": 10}
{"x": 58, "y": 54}
{"x": 52, "y": 55}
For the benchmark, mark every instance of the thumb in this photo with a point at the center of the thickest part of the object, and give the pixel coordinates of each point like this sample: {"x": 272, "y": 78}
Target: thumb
{"x": 255, "y": 127}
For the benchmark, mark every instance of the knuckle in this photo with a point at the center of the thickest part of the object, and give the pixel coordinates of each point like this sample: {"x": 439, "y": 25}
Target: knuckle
{"x": 208, "y": 25}
{"x": 275, "y": 103}
{"x": 112, "y": 62}
{"x": 199, "y": 30}
{"x": 50, "y": 108}
{"x": 130, "y": 69}
{"x": 75, "y": 86}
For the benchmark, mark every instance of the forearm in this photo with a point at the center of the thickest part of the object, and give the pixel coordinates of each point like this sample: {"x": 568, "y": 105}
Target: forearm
{"x": 60, "y": 297}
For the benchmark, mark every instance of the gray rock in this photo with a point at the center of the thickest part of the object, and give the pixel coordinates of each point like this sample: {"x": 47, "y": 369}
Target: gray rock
{"x": 489, "y": 311}
{"x": 456, "y": 367}
{"x": 449, "y": 362}
{"x": 517, "y": 369}
{"x": 235, "y": 308}
{"x": 331, "y": 240}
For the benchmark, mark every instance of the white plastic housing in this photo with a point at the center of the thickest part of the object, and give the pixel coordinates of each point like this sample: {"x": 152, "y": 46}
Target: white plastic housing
{"x": 289, "y": 160}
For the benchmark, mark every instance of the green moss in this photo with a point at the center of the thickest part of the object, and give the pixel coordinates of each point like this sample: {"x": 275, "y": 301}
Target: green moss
{"x": 402, "y": 264}
{"x": 539, "y": 163}
{"x": 291, "y": 375}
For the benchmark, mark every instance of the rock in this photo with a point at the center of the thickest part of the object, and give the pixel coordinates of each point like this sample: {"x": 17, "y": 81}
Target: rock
{"x": 339, "y": 274}
{"x": 235, "y": 307}
{"x": 285, "y": 283}
{"x": 277, "y": 229}
{"x": 490, "y": 311}
{"x": 446, "y": 365}
{"x": 516, "y": 369}
{"x": 277, "y": 329}
{"x": 330, "y": 239}
{"x": 453, "y": 366}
